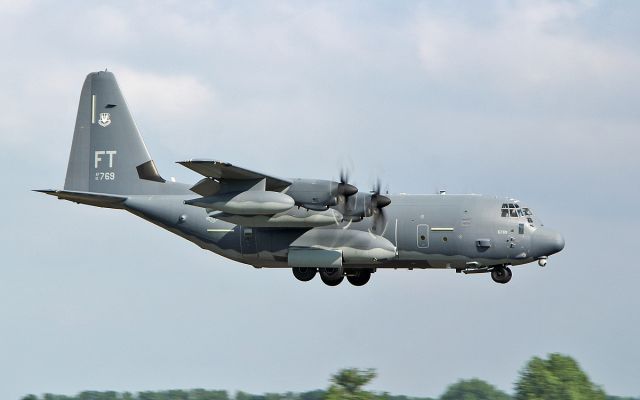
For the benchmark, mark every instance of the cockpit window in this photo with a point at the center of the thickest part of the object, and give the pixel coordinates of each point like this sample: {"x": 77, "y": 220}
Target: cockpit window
{"x": 513, "y": 210}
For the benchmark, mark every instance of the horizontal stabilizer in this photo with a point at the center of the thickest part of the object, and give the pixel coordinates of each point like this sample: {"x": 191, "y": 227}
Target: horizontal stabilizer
{"x": 223, "y": 171}
{"x": 92, "y": 199}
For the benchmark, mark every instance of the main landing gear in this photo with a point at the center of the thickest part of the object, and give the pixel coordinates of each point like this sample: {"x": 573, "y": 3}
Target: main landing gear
{"x": 501, "y": 274}
{"x": 304, "y": 274}
{"x": 359, "y": 277}
{"x": 334, "y": 276}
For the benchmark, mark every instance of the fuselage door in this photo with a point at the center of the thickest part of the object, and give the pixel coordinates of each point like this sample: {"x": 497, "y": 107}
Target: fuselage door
{"x": 423, "y": 236}
{"x": 249, "y": 246}
{"x": 516, "y": 243}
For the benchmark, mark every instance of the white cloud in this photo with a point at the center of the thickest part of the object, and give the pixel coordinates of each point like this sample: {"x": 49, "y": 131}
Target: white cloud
{"x": 172, "y": 97}
{"x": 14, "y": 7}
{"x": 111, "y": 26}
{"x": 531, "y": 44}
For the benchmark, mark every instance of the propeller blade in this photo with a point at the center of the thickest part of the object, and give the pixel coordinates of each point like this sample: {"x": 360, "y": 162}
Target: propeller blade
{"x": 376, "y": 187}
{"x": 344, "y": 175}
{"x": 379, "y": 221}
{"x": 378, "y": 203}
{"x": 378, "y": 200}
{"x": 344, "y": 187}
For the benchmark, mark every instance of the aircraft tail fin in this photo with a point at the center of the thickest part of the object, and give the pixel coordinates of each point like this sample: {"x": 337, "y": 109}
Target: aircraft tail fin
{"x": 108, "y": 154}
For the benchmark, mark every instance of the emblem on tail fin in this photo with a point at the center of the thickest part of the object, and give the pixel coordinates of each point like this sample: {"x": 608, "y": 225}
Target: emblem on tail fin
{"x": 105, "y": 119}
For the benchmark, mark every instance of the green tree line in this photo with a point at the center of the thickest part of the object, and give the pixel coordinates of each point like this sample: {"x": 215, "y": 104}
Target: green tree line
{"x": 558, "y": 377}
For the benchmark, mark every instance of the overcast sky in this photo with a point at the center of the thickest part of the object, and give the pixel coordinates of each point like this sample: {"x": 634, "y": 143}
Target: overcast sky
{"x": 535, "y": 100}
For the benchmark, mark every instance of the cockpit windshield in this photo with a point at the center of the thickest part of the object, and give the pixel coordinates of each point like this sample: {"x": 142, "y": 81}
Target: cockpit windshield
{"x": 513, "y": 210}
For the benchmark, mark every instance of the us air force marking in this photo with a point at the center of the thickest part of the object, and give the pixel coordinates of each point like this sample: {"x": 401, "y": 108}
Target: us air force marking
{"x": 105, "y": 119}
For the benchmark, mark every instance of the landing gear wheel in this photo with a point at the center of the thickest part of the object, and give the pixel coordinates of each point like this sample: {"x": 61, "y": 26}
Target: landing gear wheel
{"x": 304, "y": 274}
{"x": 359, "y": 278}
{"x": 331, "y": 276}
{"x": 501, "y": 274}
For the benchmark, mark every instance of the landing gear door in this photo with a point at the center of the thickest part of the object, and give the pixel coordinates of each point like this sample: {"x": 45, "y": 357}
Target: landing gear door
{"x": 423, "y": 236}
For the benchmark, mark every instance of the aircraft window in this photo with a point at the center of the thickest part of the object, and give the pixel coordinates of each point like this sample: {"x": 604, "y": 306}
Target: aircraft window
{"x": 513, "y": 210}
{"x": 527, "y": 211}
{"x": 530, "y": 220}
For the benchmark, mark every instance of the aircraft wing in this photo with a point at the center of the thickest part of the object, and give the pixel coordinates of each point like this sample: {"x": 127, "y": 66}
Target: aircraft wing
{"x": 225, "y": 171}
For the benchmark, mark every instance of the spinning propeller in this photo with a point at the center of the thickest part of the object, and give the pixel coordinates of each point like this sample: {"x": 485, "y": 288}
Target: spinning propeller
{"x": 378, "y": 202}
{"x": 345, "y": 189}
{"x": 355, "y": 207}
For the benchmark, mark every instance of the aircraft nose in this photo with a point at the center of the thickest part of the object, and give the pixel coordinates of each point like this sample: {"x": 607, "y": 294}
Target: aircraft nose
{"x": 546, "y": 242}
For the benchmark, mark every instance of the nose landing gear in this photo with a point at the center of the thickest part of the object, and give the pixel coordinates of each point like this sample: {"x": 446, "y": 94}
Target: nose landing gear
{"x": 501, "y": 274}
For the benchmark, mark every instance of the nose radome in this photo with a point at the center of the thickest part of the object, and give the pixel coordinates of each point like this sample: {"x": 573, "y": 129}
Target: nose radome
{"x": 558, "y": 242}
{"x": 547, "y": 242}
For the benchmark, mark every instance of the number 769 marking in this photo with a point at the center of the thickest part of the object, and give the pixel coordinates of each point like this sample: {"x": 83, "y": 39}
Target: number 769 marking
{"x": 105, "y": 176}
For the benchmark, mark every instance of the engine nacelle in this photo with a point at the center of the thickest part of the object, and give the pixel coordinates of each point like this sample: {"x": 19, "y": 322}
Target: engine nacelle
{"x": 319, "y": 194}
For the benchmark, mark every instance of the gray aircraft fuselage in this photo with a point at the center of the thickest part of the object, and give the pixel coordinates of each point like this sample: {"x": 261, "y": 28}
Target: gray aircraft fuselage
{"x": 307, "y": 225}
{"x": 430, "y": 231}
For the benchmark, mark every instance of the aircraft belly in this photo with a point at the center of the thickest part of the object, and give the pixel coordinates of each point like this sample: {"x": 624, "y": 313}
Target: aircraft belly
{"x": 188, "y": 222}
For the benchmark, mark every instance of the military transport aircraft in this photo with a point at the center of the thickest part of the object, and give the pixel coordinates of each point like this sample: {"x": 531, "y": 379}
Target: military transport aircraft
{"x": 311, "y": 226}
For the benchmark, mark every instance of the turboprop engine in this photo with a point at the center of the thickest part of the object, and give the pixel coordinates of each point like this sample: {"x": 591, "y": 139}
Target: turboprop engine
{"x": 319, "y": 194}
